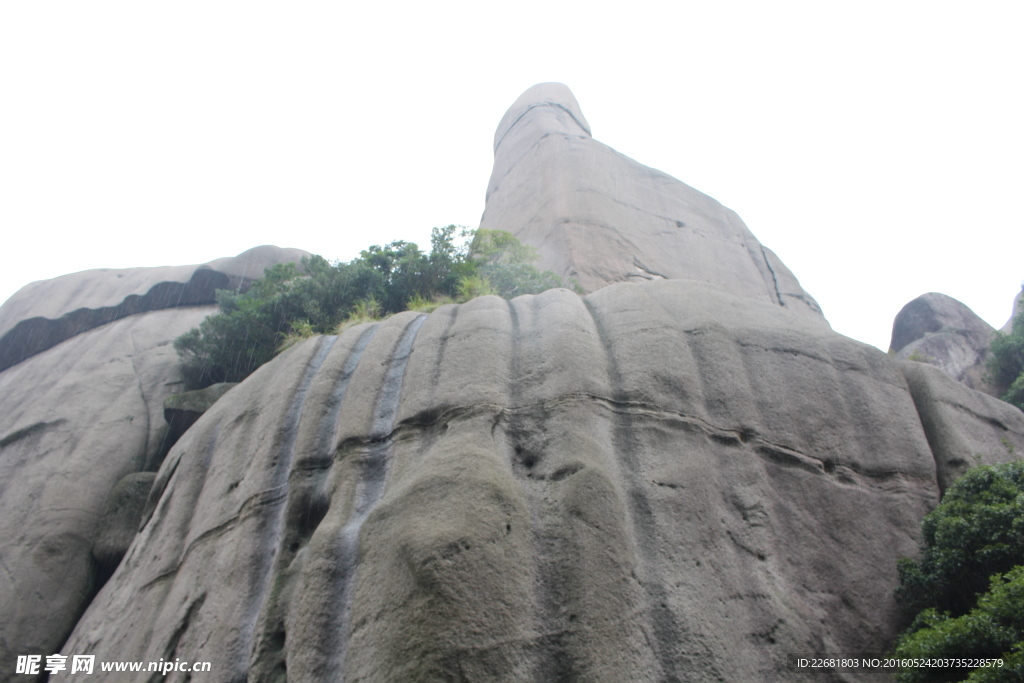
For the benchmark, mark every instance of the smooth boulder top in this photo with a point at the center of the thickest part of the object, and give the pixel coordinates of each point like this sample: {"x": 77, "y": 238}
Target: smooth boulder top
{"x": 45, "y": 313}
{"x": 931, "y": 313}
{"x": 554, "y": 95}
{"x": 598, "y": 217}
{"x": 105, "y": 287}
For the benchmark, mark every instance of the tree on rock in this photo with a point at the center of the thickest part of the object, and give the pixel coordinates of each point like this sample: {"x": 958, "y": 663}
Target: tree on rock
{"x": 967, "y": 590}
{"x": 290, "y": 302}
{"x": 1006, "y": 363}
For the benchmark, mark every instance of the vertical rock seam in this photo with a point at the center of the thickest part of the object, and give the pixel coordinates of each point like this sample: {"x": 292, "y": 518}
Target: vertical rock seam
{"x": 374, "y": 461}
{"x": 306, "y": 507}
{"x": 666, "y": 633}
{"x": 269, "y": 544}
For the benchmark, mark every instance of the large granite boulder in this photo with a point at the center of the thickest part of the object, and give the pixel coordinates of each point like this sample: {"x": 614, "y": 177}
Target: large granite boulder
{"x": 939, "y": 330}
{"x": 658, "y": 481}
{"x": 599, "y": 217}
{"x": 44, "y": 313}
{"x": 87, "y": 362}
{"x": 74, "y": 420}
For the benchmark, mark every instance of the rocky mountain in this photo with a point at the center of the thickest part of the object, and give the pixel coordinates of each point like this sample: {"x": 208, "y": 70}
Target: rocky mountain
{"x": 684, "y": 475}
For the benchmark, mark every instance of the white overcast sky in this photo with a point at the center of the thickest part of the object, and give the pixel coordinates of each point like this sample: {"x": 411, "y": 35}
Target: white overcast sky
{"x": 877, "y": 147}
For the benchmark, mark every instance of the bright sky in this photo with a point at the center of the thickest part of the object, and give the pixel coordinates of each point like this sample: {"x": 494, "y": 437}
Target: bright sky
{"x": 876, "y": 147}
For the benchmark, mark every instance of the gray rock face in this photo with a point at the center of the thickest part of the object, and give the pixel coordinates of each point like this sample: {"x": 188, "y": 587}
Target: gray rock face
{"x": 74, "y": 420}
{"x": 939, "y": 330}
{"x": 658, "y": 481}
{"x": 45, "y": 313}
{"x": 87, "y": 363}
{"x": 964, "y": 428}
{"x": 599, "y": 217}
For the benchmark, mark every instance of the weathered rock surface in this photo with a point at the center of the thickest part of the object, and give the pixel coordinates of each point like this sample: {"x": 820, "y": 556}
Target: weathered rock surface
{"x": 45, "y": 313}
{"x": 964, "y": 428}
{"x": 659, "y": 481}
{"x": 74, "y": 420}
{"x": 939, "y": 330}
{"x": 599, "y": 217}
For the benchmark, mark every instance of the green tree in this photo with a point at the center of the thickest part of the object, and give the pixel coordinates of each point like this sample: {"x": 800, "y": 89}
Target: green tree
{"x": 506, "y": 264}
{"x": 992, "y": 630}
{"x": 1006, "y": 363}
{"x": 967, "y": 588}
{"x": 290, "y": 302}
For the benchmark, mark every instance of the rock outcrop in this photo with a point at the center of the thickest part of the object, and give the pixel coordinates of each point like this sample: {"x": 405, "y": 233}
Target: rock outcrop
{"x": 939, "y": 330}
{"x": 74, "y": 420}
{"x": 89, "y": 362}
{"x": 45, "y": 313}
{"x": 599, "y": 217}
{"x": 683, "y": 475}
{"x": 658, "y": 481}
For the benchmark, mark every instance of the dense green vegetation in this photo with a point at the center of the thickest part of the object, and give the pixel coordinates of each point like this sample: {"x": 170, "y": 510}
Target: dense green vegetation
{"x": 967, "y": 591}
{"x": 1006, "y": 363}
{"x": 292, "y": 301}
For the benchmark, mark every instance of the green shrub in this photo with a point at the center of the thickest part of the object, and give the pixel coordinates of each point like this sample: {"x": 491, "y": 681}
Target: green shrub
{"x": 292, "y": 302}
{"x": 994, "y": 629}
{"x": 967, "y": 590}
{"x": 504, "y": 262}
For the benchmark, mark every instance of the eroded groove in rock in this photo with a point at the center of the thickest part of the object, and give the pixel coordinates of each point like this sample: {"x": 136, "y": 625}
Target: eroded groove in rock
{"x": 526, "y": 442}
{"x": 666, "y": 633}
{"x": 306, "y": 506}
{"x": 373, "y": 463}
{"x": 266, "y": 549}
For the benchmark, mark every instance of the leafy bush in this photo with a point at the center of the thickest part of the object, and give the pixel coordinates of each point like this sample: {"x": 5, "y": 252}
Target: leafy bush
{"x": 504, "y": 263}
{"x": 1006, "y": 363}
{"x": 968, "y": 587}
{"x": 290, "y": 302}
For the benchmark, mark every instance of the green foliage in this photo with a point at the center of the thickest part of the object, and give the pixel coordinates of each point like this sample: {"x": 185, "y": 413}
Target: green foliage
{"x": 290, "y": 303}
{"x": 977, "y": 531}
{"x": 1006, "y": 363}
{"x": 968, "y": 587}
{"x": 504, "y": 262}
{"x": 994, "y": 629}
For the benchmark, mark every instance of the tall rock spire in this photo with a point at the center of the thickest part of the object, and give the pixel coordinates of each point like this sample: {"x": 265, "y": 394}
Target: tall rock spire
{"x": 599, "y": 217}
